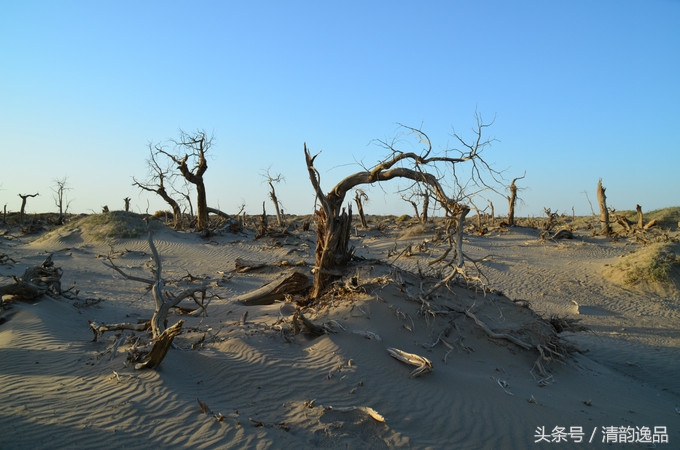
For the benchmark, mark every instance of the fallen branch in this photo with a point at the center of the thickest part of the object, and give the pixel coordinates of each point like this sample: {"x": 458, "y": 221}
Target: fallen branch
{"x": 160, "y": 347}
{"x": 35, "y": 282}
{"x": 495, "y": 335}
{"x": 423, "y": 365}
{"x": 276, "y": 290}
{"x": 99, "y": 329}
{"x": 364, "y": 409}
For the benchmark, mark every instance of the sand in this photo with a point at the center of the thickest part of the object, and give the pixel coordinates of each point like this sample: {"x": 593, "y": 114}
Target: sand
{"x": 234, "y": 383}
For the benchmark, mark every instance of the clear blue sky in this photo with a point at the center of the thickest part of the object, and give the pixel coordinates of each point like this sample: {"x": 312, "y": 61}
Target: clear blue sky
{"x": 580, "y": 90}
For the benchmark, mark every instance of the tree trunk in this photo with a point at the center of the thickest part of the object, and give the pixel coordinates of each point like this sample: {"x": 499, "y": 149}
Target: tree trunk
{"x": 460, "y": 258}
{"x": 640, "y": 223}
{"x": 511, "y": 203}
{"x": 604, "y": 213}
{"x": 426, "y": 207}
{"x": 360, "y": 207}
{"x": 272, "y": 196}
{"x": 332, "y": 246}
{"x": 203, "y": 224}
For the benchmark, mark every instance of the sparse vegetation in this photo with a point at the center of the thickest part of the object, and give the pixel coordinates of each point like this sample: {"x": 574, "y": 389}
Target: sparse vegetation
{"x": 651, "y": 264}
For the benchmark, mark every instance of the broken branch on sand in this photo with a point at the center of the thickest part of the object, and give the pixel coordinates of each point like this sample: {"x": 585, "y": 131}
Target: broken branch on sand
{"x": 35, "y": 282}
{"x": 160, "y": 347}
{"x": 423, "y": 365}
{"x": 99, "y": 329}
{"x": 276, "y": 290}
{"x": 494, "y": 335}
{"x": 364, "y": 409}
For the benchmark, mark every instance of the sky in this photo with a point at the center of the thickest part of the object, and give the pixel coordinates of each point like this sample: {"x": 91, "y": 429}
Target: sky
{"x": 577, "y": 91}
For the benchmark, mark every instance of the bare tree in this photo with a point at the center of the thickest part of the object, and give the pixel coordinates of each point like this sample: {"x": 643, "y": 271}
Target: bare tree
{"x": 192, "y": 163}
{"x": 24, "y": 197}
{"x": 512, "y": 199}
{"x": 333, "y": 222}
{"x": 60, "y": 201}
{"x": 359, "y": 198}
{"x": 421, "y": 215}
{"x": 604, "y": 213}
{"x": 164, "y": 300}
{"x": 156, "y": 182}
{"x": 271, "y": 180}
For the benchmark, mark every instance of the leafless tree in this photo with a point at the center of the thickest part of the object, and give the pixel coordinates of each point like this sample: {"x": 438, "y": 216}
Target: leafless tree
{"x": 191, "y": 160}
{"x": 156, "y": 182}
{"x": 604, "y": 212}
{"x": 271, "y": 180}
{"x": 512, "y": 199}
{"x": 333, "y": 222}
{"x": 60, "y": 188}
{"x": 421, "y": 215}
{"x": 359, "y": 198}
{"x": 24, "y": 197}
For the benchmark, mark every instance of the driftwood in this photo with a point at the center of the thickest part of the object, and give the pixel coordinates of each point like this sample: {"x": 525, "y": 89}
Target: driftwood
{"x": 160, "y": 347}
{"x": 99, "y": 329}
{"x": 301, "y": 323}
{"x": 242, "y": 265}
{"x": 35, "y": 282}
{"x": 276, "y": 290}
{"x": 423, "y": 365}
{"x": 563, "y": 234}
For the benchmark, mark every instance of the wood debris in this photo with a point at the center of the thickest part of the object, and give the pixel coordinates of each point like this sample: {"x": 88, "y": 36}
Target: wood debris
{"x": 423, "y": 365}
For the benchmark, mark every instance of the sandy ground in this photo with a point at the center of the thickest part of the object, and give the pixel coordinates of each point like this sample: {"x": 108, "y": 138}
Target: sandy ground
{"x": 271, "y": 388}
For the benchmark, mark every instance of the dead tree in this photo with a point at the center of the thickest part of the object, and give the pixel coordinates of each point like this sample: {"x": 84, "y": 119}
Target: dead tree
{"x": 164, "y": 300}
{"x": 192, "y": 150}
{"x": 333, "y": 222}
{"x": 59, "y": 197}
{"x": 512, "y": 199}
{"x": 422, "y": 216}
{"x": 640, "y": 222}
{"x": 156, "y": 183}
{"x": 359, "y": 198}
{"x": 604, "y": 212}
{"x": 24, "y": 197}
{"x": 272, "y": 194}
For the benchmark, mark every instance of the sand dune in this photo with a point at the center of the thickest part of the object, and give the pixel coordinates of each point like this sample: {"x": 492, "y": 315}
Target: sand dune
{"x": 263, "y": 387}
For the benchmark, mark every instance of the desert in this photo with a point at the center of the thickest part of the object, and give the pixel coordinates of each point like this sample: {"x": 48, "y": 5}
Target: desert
{"x": 550, "y": 342}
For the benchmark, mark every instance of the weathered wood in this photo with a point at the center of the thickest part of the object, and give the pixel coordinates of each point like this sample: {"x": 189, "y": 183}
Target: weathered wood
{"x": 160, "y": 347}
{"x": 563, "y": 234}
{"x": 604, "y": 212}
{"x": 99, "y": 329}
{"x": 243, "y": 265}
{"x": 640, "y": 223}
{"x": 292, "y": 283}
{"x": 35, "y": 282}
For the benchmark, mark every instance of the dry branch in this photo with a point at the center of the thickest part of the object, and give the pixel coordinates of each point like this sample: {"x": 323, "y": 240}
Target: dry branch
{"x": 423, "y": 365}
{"x": 99, "y": 329}
{"x": 276, "y": 290}
{"x": 160, "y": 347}
{"x": 494, "y": 335}
{"x": 35, "y": 282}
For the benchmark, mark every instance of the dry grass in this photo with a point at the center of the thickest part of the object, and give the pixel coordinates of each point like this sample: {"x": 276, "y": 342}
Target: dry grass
{"x": 652, "y": 264}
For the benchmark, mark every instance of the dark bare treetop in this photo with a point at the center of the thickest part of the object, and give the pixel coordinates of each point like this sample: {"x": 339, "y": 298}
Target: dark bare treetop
{"x": 191, "y": 159}
{"x": 60, "y": 201}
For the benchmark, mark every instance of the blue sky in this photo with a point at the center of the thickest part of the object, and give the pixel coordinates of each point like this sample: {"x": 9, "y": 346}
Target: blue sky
{"x": 579, "y": 90}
